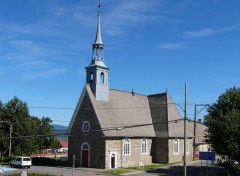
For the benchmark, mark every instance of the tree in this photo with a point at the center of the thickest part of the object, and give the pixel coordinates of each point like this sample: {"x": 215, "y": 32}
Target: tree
{"x": 223, "y": 121}
{"x": 25, "y": 127}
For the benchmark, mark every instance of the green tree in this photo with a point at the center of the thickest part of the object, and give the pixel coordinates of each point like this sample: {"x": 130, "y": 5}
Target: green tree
{"x": 45, "y": 129}
{"x": 223, "y": 121}
{"x": 26, "y": 129}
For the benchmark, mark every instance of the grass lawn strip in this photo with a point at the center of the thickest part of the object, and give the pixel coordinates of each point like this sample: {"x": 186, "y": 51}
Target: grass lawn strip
{"x": 131, "y": 169}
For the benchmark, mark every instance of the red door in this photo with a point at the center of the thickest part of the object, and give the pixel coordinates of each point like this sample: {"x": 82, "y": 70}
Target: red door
{"x": 84, "y": 158}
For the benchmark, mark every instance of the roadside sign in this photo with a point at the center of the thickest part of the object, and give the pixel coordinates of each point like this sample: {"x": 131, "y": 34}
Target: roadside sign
{"x": 207, "y": 156}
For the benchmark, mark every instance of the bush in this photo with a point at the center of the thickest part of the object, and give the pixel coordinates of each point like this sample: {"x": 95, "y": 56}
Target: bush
{"x": 232, "y": 168}
{"x": 48, "y": 161}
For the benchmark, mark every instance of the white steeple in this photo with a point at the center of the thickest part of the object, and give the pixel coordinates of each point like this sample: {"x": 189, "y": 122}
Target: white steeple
{"x": 97, "y": 71}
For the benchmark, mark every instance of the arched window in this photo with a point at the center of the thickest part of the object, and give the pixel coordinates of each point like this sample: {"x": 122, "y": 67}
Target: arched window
{"x": 85, "y": 146}
{"x": 126, "y": 146}
{"x": 176, "y": 146}
{"x": 144, "y": 146}
{"x": 91, "y": 77}
{"x": 187, "y": 146}
{"x": 102, "y": 78}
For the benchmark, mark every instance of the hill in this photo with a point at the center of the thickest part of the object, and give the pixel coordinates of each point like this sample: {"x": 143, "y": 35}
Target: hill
{"x": 60, "y": 131}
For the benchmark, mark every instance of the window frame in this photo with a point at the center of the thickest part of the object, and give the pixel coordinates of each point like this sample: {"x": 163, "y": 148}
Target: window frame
{"x": 126, "y": 146}
{"x": 144, "y": 146}
{"x": 83, "y": 126}
{"x": 187, "y": 146}
{"x": 176, "y": 146}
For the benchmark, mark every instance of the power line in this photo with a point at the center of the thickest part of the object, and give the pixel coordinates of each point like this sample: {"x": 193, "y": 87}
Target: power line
{"x": 100, "y": 130}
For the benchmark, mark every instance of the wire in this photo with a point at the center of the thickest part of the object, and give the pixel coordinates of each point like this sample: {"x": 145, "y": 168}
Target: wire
{"x": 100, "y": 130}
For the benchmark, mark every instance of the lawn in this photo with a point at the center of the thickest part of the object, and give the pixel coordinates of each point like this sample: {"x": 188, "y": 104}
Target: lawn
{"x": 130, "y": 169}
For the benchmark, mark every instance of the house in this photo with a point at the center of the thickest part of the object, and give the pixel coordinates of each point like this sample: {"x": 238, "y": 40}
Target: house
{"x": 114, "y": 128}
{"x": 62, "y": 146}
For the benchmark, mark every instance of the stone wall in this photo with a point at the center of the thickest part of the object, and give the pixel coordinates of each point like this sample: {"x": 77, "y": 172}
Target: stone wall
{"x": 116, "y": 145}
{"x": 94, "y": 138}
{"x": 175, "y": 158}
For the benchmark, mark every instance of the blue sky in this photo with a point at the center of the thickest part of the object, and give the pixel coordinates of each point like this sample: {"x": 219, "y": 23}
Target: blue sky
{"x": 150, "y": 46}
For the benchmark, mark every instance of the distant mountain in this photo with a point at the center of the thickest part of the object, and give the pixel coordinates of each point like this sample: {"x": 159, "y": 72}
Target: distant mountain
{"x": 60, "y": 131}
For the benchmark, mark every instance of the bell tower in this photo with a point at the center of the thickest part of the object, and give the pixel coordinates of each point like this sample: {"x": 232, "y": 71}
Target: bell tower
{"x": 97, "y": 71}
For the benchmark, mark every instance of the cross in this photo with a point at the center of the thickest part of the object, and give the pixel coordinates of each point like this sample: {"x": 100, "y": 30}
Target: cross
{"x": 99, "y": 5}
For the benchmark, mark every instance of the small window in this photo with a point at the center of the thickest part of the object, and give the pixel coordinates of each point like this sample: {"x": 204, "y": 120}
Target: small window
{"x": 85, "y": 146}
{"x": 187, "y": 146}
{"x": 85, "y": 126}
{"x": 102, "y": 78}
{"x": 126, "y": 146}
{"x": 176, "y": 146}
{"x": 91, "y": 77}
{"x": 144, "y": 146}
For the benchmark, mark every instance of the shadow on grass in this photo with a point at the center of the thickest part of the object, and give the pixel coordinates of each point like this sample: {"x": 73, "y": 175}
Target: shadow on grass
{"x": 191, "y": 171}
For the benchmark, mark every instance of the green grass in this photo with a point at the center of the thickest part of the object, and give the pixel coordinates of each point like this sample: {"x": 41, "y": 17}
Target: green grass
{"x": 148, "y": 167}
{"x": 117, "y": 171}
{"x": 130, "y": 169}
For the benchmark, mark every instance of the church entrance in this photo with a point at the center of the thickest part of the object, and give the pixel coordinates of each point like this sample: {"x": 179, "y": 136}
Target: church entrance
{"x": 113, "y": 160}
{"x": 85, "y": 153}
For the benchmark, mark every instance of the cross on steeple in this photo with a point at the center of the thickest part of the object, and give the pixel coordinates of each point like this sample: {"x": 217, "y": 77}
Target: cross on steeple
{"x": 99, "y": 5}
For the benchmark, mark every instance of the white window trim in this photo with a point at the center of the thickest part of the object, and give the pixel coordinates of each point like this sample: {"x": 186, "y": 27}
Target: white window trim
{"x": 176, "y": 143}
{"x": 86, "y": 122}
{"x": 187, "y": 146}
{"x": 144, "y": 141}
{"x": 129, "y": 146}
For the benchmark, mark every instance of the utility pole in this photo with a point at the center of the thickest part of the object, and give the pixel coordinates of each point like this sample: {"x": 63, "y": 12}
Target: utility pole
{"x": 185, "y": 134}
{"x": 73, "y": 174}
{"x": 195, "y": 124}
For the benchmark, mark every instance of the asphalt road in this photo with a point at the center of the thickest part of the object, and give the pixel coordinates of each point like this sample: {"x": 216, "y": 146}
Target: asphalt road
{"x": 193, "y": 169}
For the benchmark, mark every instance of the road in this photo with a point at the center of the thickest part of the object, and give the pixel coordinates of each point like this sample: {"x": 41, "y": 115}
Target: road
{"x": 59, "y": 171}
{"x": 193, "y": 169}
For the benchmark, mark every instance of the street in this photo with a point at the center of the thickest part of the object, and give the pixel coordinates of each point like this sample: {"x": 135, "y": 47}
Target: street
{"x": 193, "y": 169}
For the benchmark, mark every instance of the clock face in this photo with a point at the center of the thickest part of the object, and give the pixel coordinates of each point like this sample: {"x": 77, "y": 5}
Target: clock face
{"x": 85, "y": 126}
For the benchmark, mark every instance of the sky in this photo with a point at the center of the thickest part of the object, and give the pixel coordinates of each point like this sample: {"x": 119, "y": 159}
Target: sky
{"x": 151, "y": 47}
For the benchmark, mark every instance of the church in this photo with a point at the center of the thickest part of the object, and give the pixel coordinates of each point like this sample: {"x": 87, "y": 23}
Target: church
{"x": 115, "y": 128}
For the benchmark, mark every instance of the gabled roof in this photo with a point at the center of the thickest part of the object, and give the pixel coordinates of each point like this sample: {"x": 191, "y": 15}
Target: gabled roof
{"x": 63, "y": 144}
{"x": 201, "y": 132}
{"x": 128, "y": 114}
{"x": 125, "y": 114}
{"x": 176, "y": 129}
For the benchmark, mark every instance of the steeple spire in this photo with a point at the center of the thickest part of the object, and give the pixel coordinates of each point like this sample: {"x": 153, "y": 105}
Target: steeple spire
{"x": 98, "y": 46}
{"x": 97, "y": 71}
{"x": 98, "y": 39}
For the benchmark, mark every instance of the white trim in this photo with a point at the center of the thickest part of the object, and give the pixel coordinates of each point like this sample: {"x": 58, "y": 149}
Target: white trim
{"x": 174, "y": 143}
{"x": 110, "y": 154}
{"x": 146, "y": 143}
{"x": 77, "y": 109}
{"x": 83, "y": 124}
{"x": 129, "y": 146}
{"x": 88, "y": 153}
{"x": 187, "y": 146}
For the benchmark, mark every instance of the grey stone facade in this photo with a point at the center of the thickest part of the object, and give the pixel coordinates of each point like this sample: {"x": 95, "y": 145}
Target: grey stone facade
{"x": 175, "y": 158}
{"x": 135, "y": 156}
